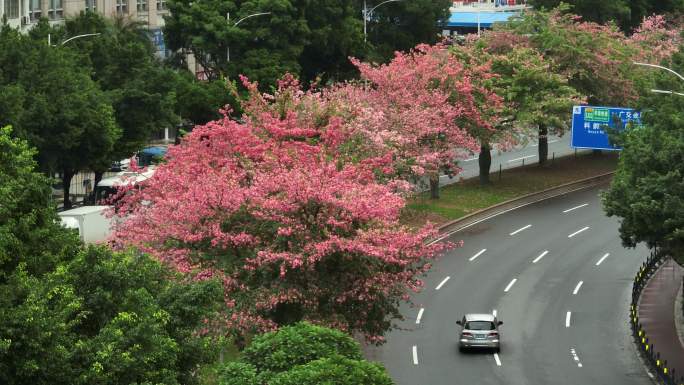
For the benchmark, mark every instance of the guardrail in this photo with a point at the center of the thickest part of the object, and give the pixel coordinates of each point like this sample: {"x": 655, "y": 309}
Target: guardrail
{"x": 648, "y": 350}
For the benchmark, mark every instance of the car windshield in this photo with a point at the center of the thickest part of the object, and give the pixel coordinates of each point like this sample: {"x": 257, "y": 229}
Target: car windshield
{"x": 479, "y": 325}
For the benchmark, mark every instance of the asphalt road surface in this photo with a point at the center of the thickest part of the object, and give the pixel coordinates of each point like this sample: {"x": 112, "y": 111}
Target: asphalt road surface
{"x": 513, "y": 158}
{"x": 556, "y": 275}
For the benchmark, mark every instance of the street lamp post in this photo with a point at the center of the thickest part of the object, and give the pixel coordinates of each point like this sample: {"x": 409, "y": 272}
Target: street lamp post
{"x": 366, "y": 14}
{"x": 74, "y": 37}
{"x": 238, "y": 22}
{"x": 666, "y": 69}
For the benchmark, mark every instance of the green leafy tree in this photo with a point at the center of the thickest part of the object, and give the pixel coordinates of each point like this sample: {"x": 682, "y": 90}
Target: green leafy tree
{"x": 56, "y": 106}
{"x": 30, "y": 234}
{"x": 305, "y": 354}
{"x": 627, "y": 14}
{"x": 105, "y": 318}
{"x": 647, "y": 192}
{"x": 400, "y": 26}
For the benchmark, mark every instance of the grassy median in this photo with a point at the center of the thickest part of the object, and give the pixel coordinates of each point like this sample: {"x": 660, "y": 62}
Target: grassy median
{"x": 468, "y": 196}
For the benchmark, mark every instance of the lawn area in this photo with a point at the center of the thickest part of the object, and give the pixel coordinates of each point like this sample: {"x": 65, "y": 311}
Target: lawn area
{"x": 468, "y": 196}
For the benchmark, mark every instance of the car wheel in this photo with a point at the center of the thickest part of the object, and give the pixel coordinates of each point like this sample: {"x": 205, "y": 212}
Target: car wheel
{"x": 461, "y": 349}
{"x": 497, "y": 349}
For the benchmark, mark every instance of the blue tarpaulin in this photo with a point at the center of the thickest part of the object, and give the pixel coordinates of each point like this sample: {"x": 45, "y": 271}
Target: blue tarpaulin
{"x": 469, "y": 19}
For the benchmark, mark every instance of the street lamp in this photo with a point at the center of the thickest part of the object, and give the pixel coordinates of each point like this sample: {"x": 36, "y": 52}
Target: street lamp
{"x": 366, "y": 14}
{"x": 666, "y": 69}
{"x": 72, "y": 38}
{"x": 238, "y": 22}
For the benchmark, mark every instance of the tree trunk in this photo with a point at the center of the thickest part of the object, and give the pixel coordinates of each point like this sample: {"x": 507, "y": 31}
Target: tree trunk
{"x": 434, "y": 186}
{"x": 485, "y": 162}
{"x": 543, "y": 144}
{"x": 67, "y": 175}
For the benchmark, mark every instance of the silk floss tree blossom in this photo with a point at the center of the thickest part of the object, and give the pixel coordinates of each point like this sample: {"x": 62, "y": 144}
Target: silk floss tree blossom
{"x": 292, "y": 233}
{"x": 422, "y": 105}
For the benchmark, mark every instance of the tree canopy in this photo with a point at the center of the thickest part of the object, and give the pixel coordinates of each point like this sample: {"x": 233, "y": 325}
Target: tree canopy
{"x": 647, "y": 193}
{"x": 303, "y": 354}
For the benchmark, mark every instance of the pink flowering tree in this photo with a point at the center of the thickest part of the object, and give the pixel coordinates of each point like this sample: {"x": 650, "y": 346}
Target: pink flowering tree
{"x": 293, "y": 233}
{"x": 423, "y": 106}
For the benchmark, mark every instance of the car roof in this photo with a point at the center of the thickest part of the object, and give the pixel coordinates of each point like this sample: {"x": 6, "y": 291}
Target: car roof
{"x": 479, "y": 317}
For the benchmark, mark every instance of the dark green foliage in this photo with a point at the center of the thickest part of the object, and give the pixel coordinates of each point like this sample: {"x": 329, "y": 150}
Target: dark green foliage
{"x": 647, "y": 192}
{"x": 402, "y": 25}
{"x": 303, "y": 354}
{"x": 334, "y": 371}
{"x": 628, "y": 14}
{"x": 310, "y": 38}
{"x": 29, "y": 231}
{"x": 105, "y": 318}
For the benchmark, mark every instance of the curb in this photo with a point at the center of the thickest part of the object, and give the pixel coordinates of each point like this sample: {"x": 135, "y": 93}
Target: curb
{"x": 511, "y": 204}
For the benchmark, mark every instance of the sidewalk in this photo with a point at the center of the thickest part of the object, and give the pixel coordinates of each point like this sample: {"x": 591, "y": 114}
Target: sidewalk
{"x": 656, "y": 314}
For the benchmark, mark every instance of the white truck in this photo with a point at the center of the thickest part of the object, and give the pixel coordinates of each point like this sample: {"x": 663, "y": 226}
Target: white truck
{"x": 90, "y": 221}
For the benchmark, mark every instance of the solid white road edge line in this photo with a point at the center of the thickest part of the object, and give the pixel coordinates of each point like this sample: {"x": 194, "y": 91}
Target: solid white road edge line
{"x": 450, "y": 233}
{"x": 521, "y": 158}
{"x": 442, "y": 283}
{"x": 575, "y": 208}
{"x": 420, "y": 315}
{"x": 578, "y": 231}
{"x": 477, "y": 255}
{"x": 496, "y": 358}
{"x": 567, "y": 319}
{"x": 602, "y": 259}
{"x": 520, "y": 229}
{"x": 415, "y": 355}
{"x": 510, "y": 285}
{"x": 579, "y": 284}
{"x": 540, "y": 256}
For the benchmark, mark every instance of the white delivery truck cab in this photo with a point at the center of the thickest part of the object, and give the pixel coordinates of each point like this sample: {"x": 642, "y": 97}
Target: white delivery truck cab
{"x": 90, "y": 221}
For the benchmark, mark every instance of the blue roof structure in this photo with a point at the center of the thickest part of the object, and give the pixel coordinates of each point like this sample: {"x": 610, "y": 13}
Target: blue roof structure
{"x": 469, "y": 19}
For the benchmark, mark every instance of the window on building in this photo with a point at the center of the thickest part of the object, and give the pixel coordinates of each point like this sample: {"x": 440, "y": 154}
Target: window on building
{"x": 142, "y": 5}
{"x": 35, "y": 10}
{"x": 121, "y": 6}
{"x": 12, "y": 9}
{"x": 55, "y": 10}
{"x": 161, "y": 5}
{"x": 91, "y": 5}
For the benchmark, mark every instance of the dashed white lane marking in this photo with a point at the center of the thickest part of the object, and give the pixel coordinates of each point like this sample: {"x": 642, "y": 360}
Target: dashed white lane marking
{"x": 415, "y": 355}
{"x": 520, "y": 229}
{"x": 420, "y": 315}
{"x": 470, "y": 160}
{"x": 510, "y": 285}
{"x": 575, "y": 208}
{"x": 567, "y": 319}
{"x": 575, "y": 357}
{"x": 496, "y": 358}
{"x": 477, "y": 255}
{"x": 494, "y": 312}
{"x": 521, "y": 158}
{"x": 579, "y": 284}
{"x": 602, "y": 259}
{"x": 540, "y": 256}
{"x": 442, "y": 283}
{"x": 578, "y": 231}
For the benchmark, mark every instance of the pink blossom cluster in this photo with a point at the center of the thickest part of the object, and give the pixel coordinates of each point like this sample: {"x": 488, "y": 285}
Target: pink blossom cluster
{"x": 268, "y": 207}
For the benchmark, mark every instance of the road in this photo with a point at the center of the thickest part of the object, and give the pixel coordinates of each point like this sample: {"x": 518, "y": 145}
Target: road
{"x": 513, "y": 158}
{"x": 561, "y": 282}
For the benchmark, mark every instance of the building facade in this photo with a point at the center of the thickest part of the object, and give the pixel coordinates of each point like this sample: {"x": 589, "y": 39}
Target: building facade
{"x": 24, "y": 14}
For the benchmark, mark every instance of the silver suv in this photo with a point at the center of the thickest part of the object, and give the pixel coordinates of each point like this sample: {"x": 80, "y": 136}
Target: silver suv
{"x": 479, "y": 331}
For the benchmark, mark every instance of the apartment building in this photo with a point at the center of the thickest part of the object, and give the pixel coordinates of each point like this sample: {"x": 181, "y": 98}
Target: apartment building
{"x": 24, "y": 14}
